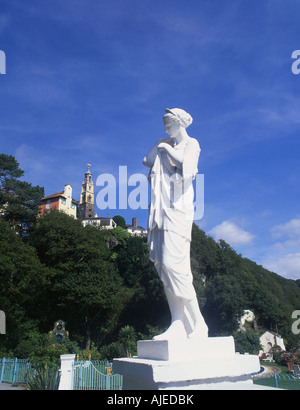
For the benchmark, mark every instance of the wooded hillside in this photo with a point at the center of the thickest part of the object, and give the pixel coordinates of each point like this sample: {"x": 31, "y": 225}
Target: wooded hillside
{"x": 100, "y": 281}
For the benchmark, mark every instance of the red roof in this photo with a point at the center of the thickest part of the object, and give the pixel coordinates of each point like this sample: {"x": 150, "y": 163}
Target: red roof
{"x": 58, "y": 194}
{"x": 53, "y": 195}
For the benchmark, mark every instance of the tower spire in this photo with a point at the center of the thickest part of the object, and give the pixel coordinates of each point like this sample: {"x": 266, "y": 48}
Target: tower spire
{"x": 87, "y": 206}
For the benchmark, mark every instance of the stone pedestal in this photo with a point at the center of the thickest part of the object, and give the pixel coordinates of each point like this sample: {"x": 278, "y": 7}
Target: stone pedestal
{"x": 66, "y": 371}
{"x": 187, "y": 364}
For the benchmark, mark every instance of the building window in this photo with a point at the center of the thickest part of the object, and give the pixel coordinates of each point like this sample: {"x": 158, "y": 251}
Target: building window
{"x": 48, "y": 204}
{"x": 63, "y": 201}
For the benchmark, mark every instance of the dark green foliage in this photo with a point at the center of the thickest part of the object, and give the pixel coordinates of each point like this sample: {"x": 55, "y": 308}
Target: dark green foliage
{"x": 120, "y": 221}
{"x": 140, "y": 275}
{"x": 86, "y": 289}
{"x": 23, "y": 281}
{"x": 247, "y": 342}
{"x": 127, "y": 337}
{"x": 224, "y": 305}
{"x": 19, "y": 200}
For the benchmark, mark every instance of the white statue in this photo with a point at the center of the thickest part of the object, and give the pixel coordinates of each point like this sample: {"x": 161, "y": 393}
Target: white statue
{"x": 173, "y": 162}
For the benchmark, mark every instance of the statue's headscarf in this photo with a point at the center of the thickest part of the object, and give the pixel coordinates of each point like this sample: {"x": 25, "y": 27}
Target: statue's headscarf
{"x": 180, "y": 116}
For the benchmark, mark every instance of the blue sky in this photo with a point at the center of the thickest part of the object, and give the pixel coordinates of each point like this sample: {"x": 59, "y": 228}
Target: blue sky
{"x": 88, "y": 81}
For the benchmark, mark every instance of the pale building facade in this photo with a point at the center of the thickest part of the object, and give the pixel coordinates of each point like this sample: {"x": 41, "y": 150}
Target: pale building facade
{"x": 270, "y": 339}
{"x": 135, "y": 229}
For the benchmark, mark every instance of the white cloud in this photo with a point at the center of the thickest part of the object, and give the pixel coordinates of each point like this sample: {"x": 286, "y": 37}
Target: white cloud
{"x": 287, "y": 266}
{"x": 231, "y": 233}
{"x": 290, "y": 229}
{"x": 284, "y": 256}
{"x": 288, "y": 236}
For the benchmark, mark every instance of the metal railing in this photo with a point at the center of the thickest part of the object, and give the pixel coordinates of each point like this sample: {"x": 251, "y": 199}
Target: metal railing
{"x": 15, "y": 370}
{"x": 87, "y": 376}
{"x": 279, "y": 381}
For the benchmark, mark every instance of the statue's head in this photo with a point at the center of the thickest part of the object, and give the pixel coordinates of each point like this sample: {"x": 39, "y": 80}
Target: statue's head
{"x": 179, "y": 116}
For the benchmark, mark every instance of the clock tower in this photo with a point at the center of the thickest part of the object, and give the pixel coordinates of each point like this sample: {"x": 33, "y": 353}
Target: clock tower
{"x": 87, "y": 196}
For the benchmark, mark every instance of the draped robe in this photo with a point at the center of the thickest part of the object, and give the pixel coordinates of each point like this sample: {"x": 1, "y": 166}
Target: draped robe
{"x": 171, "y": 217}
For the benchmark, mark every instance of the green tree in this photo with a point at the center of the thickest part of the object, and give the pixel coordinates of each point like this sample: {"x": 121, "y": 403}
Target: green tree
{"x": 23, "y": 280}
{"x": 120, "y": 221}
{"x": 224, "y": 305}
{"x": 246, "y": 341}
{"x": 19, "y": 200}
{"x": 147, "y": 305}
{"x": 127, "y": 336}
{"x": 86, "y": 290}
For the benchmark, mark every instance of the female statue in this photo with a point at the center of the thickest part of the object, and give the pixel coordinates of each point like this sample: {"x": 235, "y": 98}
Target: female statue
{"x": 173, "y": 166}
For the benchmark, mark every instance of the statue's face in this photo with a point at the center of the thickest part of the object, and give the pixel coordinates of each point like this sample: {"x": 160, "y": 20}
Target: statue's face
{"x": 171, "y": 127}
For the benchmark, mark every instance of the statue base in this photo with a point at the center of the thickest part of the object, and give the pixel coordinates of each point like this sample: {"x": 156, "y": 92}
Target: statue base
{"x": 187, "y": 364}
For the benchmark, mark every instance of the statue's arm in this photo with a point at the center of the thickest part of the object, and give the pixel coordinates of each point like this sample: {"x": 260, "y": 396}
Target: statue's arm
{"x": 149, "y": 159}
{"x": 176, "y": 157}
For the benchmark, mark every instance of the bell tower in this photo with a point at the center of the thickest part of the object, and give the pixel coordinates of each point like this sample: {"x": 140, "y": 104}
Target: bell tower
{"x": 87, "y": 206}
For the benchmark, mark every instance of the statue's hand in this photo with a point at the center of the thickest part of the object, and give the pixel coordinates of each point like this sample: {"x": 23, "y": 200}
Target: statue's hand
{"x": 163, "y": 146}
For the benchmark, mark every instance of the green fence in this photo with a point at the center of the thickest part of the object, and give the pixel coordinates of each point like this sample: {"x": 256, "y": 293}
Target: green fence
{"x": 15, "y": 370}
{"x": 87, "y": 375}
{"x": 280, "y": 381}
{"x": 95, "y": 376}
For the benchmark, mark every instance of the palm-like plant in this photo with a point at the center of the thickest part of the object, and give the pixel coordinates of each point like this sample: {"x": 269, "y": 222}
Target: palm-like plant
{"x": 127, "y": 335}
{"x": 44, "y": 378}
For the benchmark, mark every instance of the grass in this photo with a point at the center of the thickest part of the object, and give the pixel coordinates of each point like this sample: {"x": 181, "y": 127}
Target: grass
{"x": 283, "y": 380}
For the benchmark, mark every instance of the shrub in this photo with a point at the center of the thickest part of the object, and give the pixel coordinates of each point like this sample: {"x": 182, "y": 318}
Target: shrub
{"x": 44, "y": 378}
